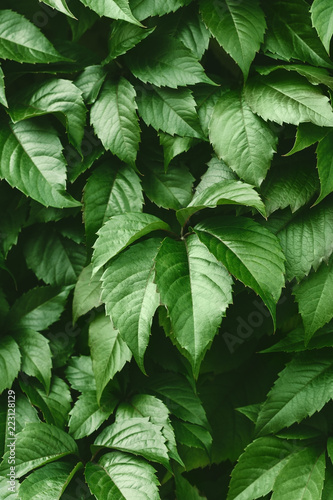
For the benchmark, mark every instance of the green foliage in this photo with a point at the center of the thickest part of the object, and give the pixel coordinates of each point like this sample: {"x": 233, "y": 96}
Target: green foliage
{"x": 166, "y": 250}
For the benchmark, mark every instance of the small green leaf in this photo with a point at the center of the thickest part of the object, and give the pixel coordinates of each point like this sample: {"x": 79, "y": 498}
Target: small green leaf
{"x": 193, "y": 436}
{"x": 288, "y": 98}
{"x": 109, "y": 353}
{"x": 130, "y": 295}
{"x": 59, "y": 5}
{"x": 184, "y": 489}
{"x": 303, "y": 387}
{"x": 124, "y": 37}
{"x": 322, "y": 20}
{"x": 325, "y": 166}
{"x": 196, "y": 289}
{"x": 174, "y": 146}
{"x": 239, "y": 28}
{"x": 306, "y": 135}
{"x": 49, "y": 481}
{"x": 188, "y": 26}
{"x": 90, "y": 82}
{"x": 111, "y": 190}
{"x": 50, "y": 444}
{"x": 165, "y": 61}
{"x": 135, "y": 435}
{"x": 234, "y": 132}
{"x": 115, "y": 121}
{"x": 87, "y": 292}
{"x": 120, "y": 475}
{"x": 294, "y": 341}
{"x": 115, "y": 9}
{"x": 10, "y": 362}
{"x": 119, "y": 232}
{"x": 36, "y": 355}
{"x": 80, "y": 375}
{"x": 21, "y": 41}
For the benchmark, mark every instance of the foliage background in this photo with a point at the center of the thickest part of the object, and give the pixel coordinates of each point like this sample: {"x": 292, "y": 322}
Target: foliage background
{"x": 166, "y": 164}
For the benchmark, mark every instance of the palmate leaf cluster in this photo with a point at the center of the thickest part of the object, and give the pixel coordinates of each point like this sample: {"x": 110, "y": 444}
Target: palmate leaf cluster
{"x": 166, "y": 242}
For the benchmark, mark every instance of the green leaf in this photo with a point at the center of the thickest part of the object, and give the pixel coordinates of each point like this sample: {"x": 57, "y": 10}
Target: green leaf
{"x": 49, "y": 481}
{"x": 239, "y": 28}
{"x": 290, "y": 34}
{"x": 184, "y": 489}
{"x": 87, "y": 416}
{"x": 165, "y": 61}
{"x": 322, "y": 20}
{"x": 171, "y": 189}
{"x": 120, "y": 475}
{"x": 135, "y": 435}
{"x": 115, "y": 121}
{"x": 109, "y": 353}
{"x": 57, "y": 96}
{"x": 59, "y": 5}
{"x": 3, "y": 99}
{"x": 307, "y": 240}
{"x": 10, "y": 362}
{"x": 21, "y": 41}
{"x": 174, "y": 146}
{"x": 196, "y": 289}
{"x": 303, "y": 476}
{"x": 90, "y": 82}
{"x": 189, "y": 28}
{"x": 49, "y": 444}
{"x": 145, "y": 8}
{"x": 289, "y": 187}
{"x": 216, "y": 172}
{"x": 111, "y": 190}
{"x": 31, "y": 160}
{"x": 54, "y": 259}
{"x": 115, "y": 9}
{"x": 325, "y": 166}
{"x": 55, "y": 405}
{"x": 222, "y": 193}
{"x": 258, "y": 467}
{"x": 242, "y": 139}
{"x": 80, "y": 375}
{"x": 206, "y": 98}
{"x": 294, "y": 341}
{"x": 303, "y": 387}
{"x": 314, "y": 75}
{"x": 193, "y": 436}
{"x": 251, "y": 253}
{"x": 38, "y": 308}
{"x": 314, "y": 296}
{"x": 306, "y": 135}
{"x": 288, "y": 98}
{"x": 170, "y": 110}
{"x": 87, "y": 292}
{"x": 130, "y": 295}
{"x": 124, "y": 37}
{"x": 119, "y": 232}
{"x": 36, "y": 355}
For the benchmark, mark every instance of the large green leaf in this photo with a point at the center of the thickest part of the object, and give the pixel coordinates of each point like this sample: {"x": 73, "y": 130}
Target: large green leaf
{"x": 10, "y": 362}
{"x": 239, "y": 28}
{"x": 115, "y": 9}
{"x": 303, "y": 387}
{"x": 87, "y": 416}
{"x": 325, "y": 166}
{"x": 130, "y": 295}
{"x": 87, "y": 292}
{"x": 302, "y": 477}
{"x": 322, "y": 20}
{"x": 288, "y": 98}
{"x": 258, "y": 467}
{"x": 146, "y": 8}
{"x": 55, "y": 405}
{"x": 59, "y": 5}
{"x": 36, "y": 355}
{"x": 119, "y": 232}
{"x": 54, "y": 259}
{"x": 251, "y": 253}
{"x": 37, "y": 445}
{"x": 165, "y": 61}
{"x": 290, "y": 34}
{"x": 124, "y": 37}
{"x": 112, "y": 189}
{"x": 196, "y": 289}
{"x": 135, "y": 435}
{"x": 21, "y": 41}
{"x": 122, "y": 476}
{"x": 314, "y": 297}
{"x": 241, "y": 138}
{"x": 222, "y": 193}
{"x": 109, "y": 353}
{"x": 31, "y": 160}
{"x": 57, "y": 96}
{"x": 49, "y": 481}
{"x": 170, "y": 110}
{"x": 38, "y": 308}
{"x": 115, "y": 121}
